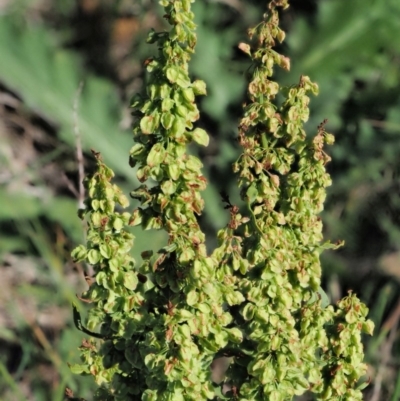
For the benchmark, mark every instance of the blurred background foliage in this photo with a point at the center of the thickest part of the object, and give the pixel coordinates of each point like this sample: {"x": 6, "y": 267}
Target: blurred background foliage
{"x": 48, "y": 47}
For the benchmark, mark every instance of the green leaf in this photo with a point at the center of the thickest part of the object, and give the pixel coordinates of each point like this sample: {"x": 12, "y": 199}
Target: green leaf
{"x": 47, "y": 79}
{"x": 16, "y": 205}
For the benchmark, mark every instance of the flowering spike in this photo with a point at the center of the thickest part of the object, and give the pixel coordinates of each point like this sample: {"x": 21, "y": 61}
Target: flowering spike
{"x": 156, "y": 327}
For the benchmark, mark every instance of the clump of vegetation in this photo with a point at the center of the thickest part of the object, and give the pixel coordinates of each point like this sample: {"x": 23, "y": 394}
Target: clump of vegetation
{"x": 158, "y": 325}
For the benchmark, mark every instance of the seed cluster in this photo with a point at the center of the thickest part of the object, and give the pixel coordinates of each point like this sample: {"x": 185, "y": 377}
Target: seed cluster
{"x": 256, "y": 299}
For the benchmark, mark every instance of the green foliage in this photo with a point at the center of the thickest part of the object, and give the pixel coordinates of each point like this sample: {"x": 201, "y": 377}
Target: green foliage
{"x": 34, "y": 63}
{"x": 359, "y": 87}
{"x": 257, "y": 299}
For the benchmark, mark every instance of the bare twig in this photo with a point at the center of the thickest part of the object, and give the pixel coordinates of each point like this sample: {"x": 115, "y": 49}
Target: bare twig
{"x": 390, "y": 324}
{"x": 81, "y": 167}
{"x": 79, "y": 153}
{"x": 70, "y": 186}
{"x": 387, "y": 125}
{"x": 393, "y": 318}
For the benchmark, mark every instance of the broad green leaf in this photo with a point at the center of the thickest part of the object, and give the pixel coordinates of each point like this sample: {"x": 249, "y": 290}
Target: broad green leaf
{"x": 47, "y": 79}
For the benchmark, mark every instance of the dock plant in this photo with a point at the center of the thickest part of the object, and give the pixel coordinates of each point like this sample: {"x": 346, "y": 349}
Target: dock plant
{"x": 156, "y": 326}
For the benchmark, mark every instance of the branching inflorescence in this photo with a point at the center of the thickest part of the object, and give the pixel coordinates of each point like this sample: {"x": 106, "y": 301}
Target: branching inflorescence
{"x": 257, "y": 299}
